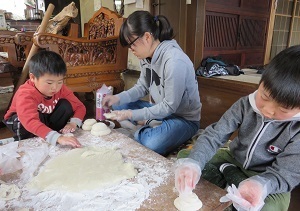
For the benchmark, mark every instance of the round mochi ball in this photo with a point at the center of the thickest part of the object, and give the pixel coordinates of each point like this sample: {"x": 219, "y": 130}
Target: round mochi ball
{"x": 86, "y": 127}
{"x": 100, "y": 129}
{"x": 90, "y": 122}
{"x": 100, "y": 132}
{"x": 99, "y": 126}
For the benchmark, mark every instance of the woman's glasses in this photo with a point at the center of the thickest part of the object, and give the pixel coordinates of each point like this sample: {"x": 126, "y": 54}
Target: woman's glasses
{"x": 132, "y": 42}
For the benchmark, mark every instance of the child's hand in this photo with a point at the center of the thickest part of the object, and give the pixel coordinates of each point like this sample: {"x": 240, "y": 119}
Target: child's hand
{"x": 253, "y": 192}
{"x": 69, "y": 128}
{"x": 69, "y": 141}
{"x": 187, "y": 175}
{"x": 249, "y": 196}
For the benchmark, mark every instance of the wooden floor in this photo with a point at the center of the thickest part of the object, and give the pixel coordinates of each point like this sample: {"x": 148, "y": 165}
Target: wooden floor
{"x": 90, "y": 105}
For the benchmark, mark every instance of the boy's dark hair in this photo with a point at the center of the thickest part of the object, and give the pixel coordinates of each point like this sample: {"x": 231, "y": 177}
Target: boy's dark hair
{"x": 140, "y": 22}
{"x": 47, "y": 62}
{"x": 281, "y": 77}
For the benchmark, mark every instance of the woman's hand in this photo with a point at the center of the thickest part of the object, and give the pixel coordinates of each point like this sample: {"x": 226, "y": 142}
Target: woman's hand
{"x": 121, "y": 115}
{"x": 109, "y": 100}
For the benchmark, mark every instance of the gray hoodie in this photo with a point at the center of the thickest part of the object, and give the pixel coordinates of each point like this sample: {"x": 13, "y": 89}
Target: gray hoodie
{"x": 170, "y": 79}
{"x": 263, "y": 145}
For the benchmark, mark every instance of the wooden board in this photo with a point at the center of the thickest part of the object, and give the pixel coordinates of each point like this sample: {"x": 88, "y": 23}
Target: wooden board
{"x": 154, "y": 171}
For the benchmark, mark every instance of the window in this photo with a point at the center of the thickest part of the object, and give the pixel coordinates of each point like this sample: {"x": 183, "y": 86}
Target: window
{"x": 286, "y": 30}
{"x": 16, "y": 7}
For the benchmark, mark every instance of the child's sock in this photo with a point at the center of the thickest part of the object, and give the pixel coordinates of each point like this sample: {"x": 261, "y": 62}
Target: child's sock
{"x": 153, "y": 123}
{"x": 232, "y": 174}
{"x": 224, "y": 165}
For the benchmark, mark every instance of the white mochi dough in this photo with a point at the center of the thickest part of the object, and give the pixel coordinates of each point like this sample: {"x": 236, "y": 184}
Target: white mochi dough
{"x": 90, "y": 122}
{"x": 99, "y": 126}
{"x": 83, "y": 169}
{"x": 189, "y": 202}
{"x": 101, "y": 132}
{"x": 100, "y": 129}
{"x": 8, "y": 191}
{"x": 86, "y": 127}
{"x": 109, "y": 115}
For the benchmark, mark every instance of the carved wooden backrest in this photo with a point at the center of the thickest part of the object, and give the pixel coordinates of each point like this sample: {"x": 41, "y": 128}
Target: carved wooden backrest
{"x": 104, "y": 23}
{"x": 95, "y": 59}
{"x": 17, "y": 46}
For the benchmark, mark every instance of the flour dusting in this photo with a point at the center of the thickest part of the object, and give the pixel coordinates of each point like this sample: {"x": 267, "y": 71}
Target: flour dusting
{"x": 127, "y": 195}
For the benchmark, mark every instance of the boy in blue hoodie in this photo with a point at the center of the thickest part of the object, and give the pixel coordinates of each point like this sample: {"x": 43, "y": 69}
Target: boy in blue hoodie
{"x": 263, "y": 160}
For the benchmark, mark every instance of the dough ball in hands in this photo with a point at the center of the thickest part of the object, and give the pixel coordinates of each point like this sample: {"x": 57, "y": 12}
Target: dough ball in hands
{"x": 110, "y": 115}
{"x": 100, "y": 129}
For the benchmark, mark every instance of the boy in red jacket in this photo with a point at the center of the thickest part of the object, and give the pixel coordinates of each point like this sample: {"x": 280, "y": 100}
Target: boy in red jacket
{"x": 44, "y": 106}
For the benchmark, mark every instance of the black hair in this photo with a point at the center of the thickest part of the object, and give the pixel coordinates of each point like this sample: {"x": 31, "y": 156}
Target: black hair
{"x": 140, "y": 22}
{"x": 47, "y": 62}
{"x": 281, "y": 77}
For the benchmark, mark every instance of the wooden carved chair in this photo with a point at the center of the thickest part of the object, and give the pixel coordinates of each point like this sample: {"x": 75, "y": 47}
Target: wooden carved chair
{"x": 95, "y": 59}
{"x": 14, "y": 48}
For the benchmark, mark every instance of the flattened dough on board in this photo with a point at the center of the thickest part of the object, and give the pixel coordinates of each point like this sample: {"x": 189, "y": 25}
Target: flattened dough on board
{"x": 189, "y": 202}
{"x": 83, "y": 169}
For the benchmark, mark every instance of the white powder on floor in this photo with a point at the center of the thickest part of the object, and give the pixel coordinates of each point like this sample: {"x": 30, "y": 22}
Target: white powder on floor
{"x": 128, "y": 195}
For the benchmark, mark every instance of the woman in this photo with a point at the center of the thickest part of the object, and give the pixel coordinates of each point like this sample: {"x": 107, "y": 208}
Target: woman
{"x": 167, "y": 76}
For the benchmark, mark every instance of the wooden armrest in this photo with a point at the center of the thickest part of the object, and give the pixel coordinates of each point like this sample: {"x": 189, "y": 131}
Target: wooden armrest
{"x": 24, "y": 40}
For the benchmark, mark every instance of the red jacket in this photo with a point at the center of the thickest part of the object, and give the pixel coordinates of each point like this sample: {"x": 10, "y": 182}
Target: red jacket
{"x": 27, "y": 101}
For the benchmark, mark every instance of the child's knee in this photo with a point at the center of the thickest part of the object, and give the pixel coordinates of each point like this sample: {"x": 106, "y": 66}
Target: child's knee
{"x": 65, "y": 105}
{"x": 277, "y": 202}
{"x": 152, "y": 144}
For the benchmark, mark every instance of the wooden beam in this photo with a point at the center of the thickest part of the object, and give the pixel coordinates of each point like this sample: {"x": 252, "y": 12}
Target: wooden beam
{"x": 292, "y": 23}
{"x": 270, "y": 32}
{"x": 34, "y": 48}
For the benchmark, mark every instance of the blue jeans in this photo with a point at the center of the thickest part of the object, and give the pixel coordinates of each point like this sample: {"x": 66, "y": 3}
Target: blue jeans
{"x": 163, "y": 139}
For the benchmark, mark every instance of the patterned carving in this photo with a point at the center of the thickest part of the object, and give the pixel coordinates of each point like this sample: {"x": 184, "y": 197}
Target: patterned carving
{"x": 7, "y": 40}
{"x": 92, "y": 74}
{"x": 20, "y": 52}
{"x": 101, "y": 27}
{"x": 94, "y": 60}
{"x": 22, "y": 40}
{"x": 83, "y": 53}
